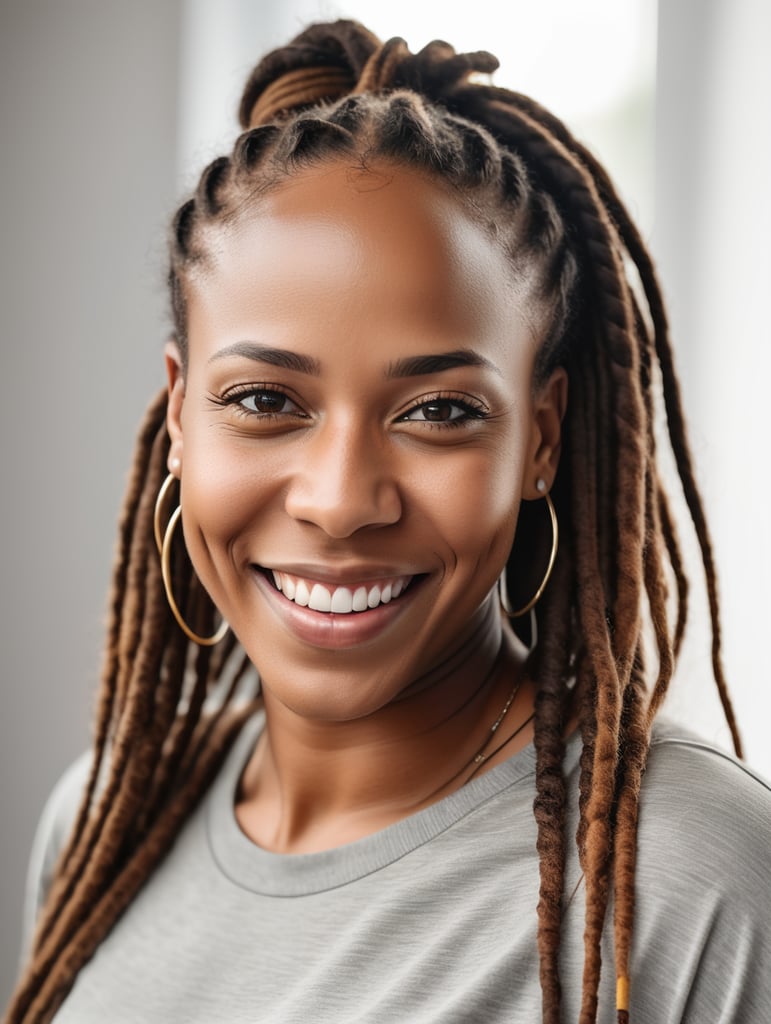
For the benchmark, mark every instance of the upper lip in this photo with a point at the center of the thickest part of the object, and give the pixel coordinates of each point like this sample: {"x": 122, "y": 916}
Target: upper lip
{"x": 339, "y": 575}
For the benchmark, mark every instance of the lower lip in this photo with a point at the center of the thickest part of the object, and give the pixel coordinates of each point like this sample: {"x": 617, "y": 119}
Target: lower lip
{"x": 330, "y": 630}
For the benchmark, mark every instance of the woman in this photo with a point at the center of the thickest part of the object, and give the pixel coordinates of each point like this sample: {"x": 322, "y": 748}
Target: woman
{"x": 409, "y": 433}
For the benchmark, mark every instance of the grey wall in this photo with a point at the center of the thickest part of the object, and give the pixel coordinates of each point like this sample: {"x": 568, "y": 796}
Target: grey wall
{"x": 87, "y": 142}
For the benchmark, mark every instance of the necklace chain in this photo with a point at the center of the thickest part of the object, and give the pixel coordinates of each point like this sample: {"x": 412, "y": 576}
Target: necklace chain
{"x": 478, "y": 762}
{"x": 479, "y": 758}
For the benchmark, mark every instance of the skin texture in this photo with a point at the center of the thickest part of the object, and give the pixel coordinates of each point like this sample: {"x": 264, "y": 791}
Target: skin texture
{"x": 351, "y": 465}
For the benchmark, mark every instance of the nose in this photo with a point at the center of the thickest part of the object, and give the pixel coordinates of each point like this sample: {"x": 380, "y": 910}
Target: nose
{"x": 345, "y": 481}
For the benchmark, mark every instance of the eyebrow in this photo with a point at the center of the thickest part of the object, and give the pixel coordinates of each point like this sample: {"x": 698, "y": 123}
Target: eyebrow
{"x": 417, "y": 366}
{"x": 411, "y": 366}
{"x": 273, "y": 356}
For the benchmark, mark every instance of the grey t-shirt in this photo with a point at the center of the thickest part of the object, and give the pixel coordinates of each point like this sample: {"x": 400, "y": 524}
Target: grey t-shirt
{"x": 433, "y": 919}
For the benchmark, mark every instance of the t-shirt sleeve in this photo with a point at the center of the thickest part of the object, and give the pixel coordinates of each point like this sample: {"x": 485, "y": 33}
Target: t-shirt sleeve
{"x": 702, "y": 942}
{"x": 55, "y": 823}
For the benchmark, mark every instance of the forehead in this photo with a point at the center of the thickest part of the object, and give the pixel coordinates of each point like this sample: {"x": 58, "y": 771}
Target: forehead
{"x": 370, "y": 247}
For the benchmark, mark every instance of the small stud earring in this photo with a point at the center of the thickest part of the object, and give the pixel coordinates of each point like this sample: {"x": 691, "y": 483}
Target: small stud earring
{"x": 540, "y": 485}
{"x": 175, "y": 464}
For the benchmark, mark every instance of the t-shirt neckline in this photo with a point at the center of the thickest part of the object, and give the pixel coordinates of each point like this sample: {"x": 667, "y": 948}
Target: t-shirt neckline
{"x": 257, "y": 870}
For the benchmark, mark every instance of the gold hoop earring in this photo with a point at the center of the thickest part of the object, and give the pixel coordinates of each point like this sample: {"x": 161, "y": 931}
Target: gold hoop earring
{"x": 164, "y": 548}
{"x": 502, "y": 582}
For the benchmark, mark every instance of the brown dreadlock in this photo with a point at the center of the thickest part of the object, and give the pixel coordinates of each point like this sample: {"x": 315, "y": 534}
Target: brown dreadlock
{"x": 336, "y": 92}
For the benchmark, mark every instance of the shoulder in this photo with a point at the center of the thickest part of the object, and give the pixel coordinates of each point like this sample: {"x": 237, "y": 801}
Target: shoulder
{"x": 700, "y": 798}
{"x": 55, "y": 823}
{"x": 702, "y": 885}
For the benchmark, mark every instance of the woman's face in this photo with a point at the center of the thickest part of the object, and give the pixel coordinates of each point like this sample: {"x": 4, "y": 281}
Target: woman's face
{"x": 354, "y": 432}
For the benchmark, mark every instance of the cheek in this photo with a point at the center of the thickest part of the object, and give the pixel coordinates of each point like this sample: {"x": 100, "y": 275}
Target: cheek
{"x": 472, "y": 500}
{"x": 225, "y": 489}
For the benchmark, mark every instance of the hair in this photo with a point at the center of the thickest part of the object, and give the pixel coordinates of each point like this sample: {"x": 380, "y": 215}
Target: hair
{"x": 337, "y": 93}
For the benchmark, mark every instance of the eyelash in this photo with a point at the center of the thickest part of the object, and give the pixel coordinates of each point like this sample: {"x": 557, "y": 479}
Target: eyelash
{"x": 470, "y": 410}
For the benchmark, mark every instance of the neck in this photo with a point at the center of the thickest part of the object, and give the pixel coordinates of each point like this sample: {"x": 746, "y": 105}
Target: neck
{"x": 312, "y": 785}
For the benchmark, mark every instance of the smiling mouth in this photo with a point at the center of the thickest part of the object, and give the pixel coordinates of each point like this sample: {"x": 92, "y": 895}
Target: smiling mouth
{"x": 338, "y": 600}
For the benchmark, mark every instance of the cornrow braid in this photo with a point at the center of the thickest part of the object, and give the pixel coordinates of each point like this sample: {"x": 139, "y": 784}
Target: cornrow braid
{"x": 337, "y": 93}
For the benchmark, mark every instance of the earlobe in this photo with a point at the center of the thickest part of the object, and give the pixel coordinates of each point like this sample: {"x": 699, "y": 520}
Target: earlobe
{"x": 176, "y": 391}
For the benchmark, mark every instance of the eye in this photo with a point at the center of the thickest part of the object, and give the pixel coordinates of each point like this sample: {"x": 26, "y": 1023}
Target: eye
{"x": 443, "y": 411}
{"x": 259, "y": 402}
{"x": 265, "y": 402}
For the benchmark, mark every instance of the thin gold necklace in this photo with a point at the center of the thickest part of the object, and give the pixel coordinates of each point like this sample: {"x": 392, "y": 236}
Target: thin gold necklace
{"x": 479, "y": 761}
{"x": 479, "y": 758}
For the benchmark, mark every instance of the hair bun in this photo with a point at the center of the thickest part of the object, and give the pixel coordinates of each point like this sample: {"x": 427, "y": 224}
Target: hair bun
{"x": 435, "y": 71}
{"x": 324, "y": 62}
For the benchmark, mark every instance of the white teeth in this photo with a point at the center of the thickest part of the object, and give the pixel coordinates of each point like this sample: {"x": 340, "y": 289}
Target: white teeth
{"x": 342, "y": 601}
{"x": 320, "y": 601}
{"x": 338, "y": 600}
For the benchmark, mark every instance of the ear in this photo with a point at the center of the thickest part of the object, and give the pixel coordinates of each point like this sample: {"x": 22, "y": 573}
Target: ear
{"x": 174, "y": 372}
{"x": 549, "y": 405}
